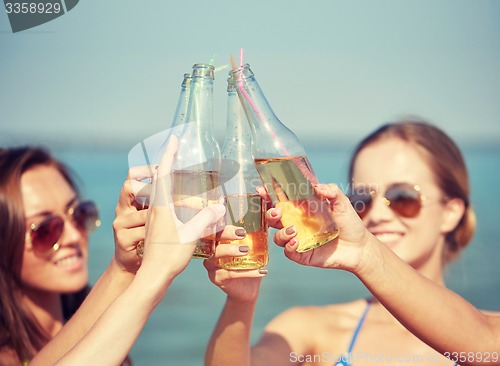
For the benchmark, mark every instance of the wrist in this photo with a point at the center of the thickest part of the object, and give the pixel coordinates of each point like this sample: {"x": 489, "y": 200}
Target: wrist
{"x": 119, "y": 272}
{"x": 239, "y": 302}
{"x": 371, "y": 258}
{"x": 154, "y": 280}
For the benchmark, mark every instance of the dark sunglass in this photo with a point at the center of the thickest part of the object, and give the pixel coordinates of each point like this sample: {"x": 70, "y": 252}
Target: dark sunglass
{"x": 403, "y": 198}
{"x": 44, "y": 235}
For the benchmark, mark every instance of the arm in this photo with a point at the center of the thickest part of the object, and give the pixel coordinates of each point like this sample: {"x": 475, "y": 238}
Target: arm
{"x": 230, "y": 340}
{"x": 420, "y": 307}
{"x": 169, "y": 246}
{"x": 433, "y": 313}
{"x": 128, "y": 229}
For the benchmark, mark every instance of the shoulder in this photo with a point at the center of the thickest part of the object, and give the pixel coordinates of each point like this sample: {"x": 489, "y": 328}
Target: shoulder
{"x": 311, "y": 328}
{"x": 490, "y": 313}
{"x": 342, "y": 316}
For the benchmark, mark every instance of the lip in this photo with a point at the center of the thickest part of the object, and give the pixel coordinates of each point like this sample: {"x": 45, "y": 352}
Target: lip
{"x": 70, "y": 261}
{"x": 389, "y": 238}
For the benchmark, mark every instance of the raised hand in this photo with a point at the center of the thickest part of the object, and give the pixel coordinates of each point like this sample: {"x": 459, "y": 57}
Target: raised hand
{"x": 239, "y": 285}
{"x": 344, "y": 252}
{"x": 170, "y": 243}
{"x": 130, "y": 220}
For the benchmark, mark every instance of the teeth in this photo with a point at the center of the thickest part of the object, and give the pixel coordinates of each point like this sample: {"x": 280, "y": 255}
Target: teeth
{"x": 67, "y": 261}
{"x": 388, "y": 237}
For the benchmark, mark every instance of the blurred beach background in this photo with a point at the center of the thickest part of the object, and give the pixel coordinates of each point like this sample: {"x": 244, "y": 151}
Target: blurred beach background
{"x": 98, "y": 80}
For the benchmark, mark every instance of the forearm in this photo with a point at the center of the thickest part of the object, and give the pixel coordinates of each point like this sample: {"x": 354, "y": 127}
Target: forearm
{"x": 110, "y": 339}
{"x": 108, "y": 287}
{"x": 433, "y": 313}
{"x": 230, "y": 341}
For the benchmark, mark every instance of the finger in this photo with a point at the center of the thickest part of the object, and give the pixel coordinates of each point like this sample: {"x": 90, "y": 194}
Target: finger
{"x": 140, "y": 189}
{"x": 194, "y": 202}
{"x": 131, "y": 237}
{"x": 283, "y": 236}
{"x": 136, "y": 180}
{"x": 167, "y": 158}
{"x": 231, "y": 250}
{"x": 203, "y": 219}
{"x": 273, "y": 218}
{"x": 339, "y": 203}
{"x": 141, "y": 172}
{"x": 161, "y": 193}
{"x": 262, "y": 191}
{"x": 130, "y": 220}
{"x": 222, "y": 275}
{"x": 292, "y": 254}
{"x": 133, "y": 194}
{"x": 231, "y": 232}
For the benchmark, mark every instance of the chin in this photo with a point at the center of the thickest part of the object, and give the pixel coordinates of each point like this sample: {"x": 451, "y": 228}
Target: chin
{"x": 74, "y": 285}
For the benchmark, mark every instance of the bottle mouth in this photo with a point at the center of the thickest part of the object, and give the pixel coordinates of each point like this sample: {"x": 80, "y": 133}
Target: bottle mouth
{"x": 203, "y": 70}
{"x": 244, "y": 69}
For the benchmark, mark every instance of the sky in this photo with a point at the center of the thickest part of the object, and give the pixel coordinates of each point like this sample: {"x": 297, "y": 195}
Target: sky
{"x": 108, "y": 73}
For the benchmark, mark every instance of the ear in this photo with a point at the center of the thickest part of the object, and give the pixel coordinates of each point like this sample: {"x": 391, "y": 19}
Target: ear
{"x": 454, "y": 210}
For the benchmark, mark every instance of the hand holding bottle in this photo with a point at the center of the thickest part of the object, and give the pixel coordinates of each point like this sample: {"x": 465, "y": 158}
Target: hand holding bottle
{"x": 344, "y": 252}
{"x": 240, "y": 286}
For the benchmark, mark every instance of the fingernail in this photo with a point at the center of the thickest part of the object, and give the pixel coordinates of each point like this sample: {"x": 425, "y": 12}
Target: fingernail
{"x": 290, "y": 230}
{"x": 263, "y": 271}
{"x": 241, "y": 232}
{"x": 274, "y": 213}
{"x": 292, "y": 242}
{"x": 243, "y": 248}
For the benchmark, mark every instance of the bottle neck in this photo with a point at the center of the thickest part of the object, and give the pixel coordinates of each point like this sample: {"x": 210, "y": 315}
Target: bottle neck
{"x": 238, "y": 170}
{"x": 271, "y": 138}
{"x": 182, "y": 103}
{"x": 200, "y": 101}
{"x": 198, "y": 149}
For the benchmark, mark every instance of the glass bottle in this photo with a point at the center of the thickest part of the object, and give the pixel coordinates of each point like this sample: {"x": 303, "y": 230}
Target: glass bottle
{"x": 151, "y": 149}
{"x": 178, "y": 119}
{"x": 182, "y": 103}
{"x": 244, "y": 207}
{"x": 283, "y": 166}
{"x": 196, "y": 169}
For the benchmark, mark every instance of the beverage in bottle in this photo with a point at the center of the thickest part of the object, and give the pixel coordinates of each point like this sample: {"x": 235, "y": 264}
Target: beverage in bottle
{"x": 247, "y": 211}
{"x": 196, "y": 169}
{"x": 283, "y": 166}
{"x": 293, "y": 193}
{"x": 244, "y": 207}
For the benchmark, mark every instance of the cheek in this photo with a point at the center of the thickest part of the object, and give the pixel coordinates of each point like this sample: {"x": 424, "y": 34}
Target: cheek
{"x": 426, "y": 229}
{"x": 33, "y": 270}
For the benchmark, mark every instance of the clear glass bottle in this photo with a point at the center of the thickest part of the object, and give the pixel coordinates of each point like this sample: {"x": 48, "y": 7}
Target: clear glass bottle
{"x": 244, "y": 207}
{"x": 196, "y": 169}
{"x": 283, "y": 166}
{"x": 182, "y": 103}
{"x": 178, "y": 119}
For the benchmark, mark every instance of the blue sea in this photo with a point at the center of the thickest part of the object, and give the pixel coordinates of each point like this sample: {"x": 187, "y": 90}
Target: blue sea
{"x": 180, "y": 327}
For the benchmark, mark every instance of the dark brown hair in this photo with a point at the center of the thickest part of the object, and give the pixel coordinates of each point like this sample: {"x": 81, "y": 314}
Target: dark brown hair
{"x": 447, "y": 165}
{"x": 19, "y": 330}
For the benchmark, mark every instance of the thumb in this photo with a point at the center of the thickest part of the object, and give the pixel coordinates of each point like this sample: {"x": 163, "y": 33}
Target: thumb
{"x": 194, "y": 228}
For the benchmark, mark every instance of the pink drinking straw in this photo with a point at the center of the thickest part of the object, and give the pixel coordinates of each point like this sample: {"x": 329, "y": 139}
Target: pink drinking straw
{"x": 302, "y": 167}
{"x": 253, "y": 105}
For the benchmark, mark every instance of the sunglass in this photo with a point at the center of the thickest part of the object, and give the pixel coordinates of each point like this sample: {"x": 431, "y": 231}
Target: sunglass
{"x": 403, "y": 198}
{"x": 44, "y": 236}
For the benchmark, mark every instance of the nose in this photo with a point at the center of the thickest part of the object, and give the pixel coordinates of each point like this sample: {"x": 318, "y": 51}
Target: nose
{"x": 380, "y": 210}
{"x": 71, "y": 233}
